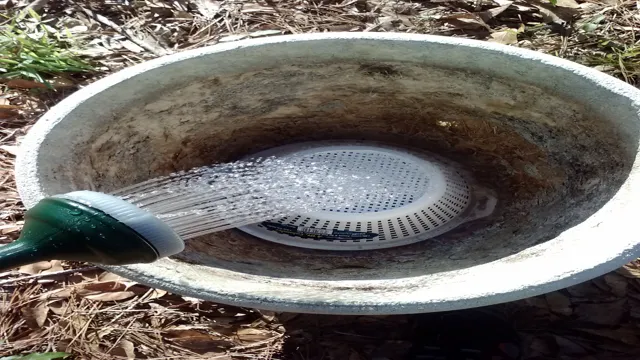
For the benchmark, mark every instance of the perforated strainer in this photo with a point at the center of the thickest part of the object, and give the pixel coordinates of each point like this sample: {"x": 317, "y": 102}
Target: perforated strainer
{"x": 425, "y": 196}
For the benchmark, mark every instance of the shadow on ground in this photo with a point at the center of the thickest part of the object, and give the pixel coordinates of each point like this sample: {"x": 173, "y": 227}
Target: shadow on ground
{"x": 595, "y": 320}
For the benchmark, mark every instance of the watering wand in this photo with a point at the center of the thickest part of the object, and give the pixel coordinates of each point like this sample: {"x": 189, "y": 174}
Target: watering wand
{"x": 90, "y": 227}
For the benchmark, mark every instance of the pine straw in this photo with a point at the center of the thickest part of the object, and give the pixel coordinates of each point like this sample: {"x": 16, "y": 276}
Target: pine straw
{"x": 95, "y": 315}
{"x": 10, "y": 207}
{"x": 608, "y": 40}
{"x": 99, "y": 315}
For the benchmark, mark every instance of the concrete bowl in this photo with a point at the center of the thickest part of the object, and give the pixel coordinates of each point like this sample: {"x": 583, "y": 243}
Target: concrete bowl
{"x": 557, "y": 142}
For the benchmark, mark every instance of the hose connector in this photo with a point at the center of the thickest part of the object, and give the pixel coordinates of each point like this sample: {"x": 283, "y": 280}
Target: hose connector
{"x": 91, "y": 227}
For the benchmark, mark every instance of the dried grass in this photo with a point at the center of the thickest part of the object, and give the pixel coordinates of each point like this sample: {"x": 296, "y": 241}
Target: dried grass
{"x": 95, "y": 315}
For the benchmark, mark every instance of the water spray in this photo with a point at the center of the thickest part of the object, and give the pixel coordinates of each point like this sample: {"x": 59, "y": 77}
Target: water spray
{"x": 320, "y": 195}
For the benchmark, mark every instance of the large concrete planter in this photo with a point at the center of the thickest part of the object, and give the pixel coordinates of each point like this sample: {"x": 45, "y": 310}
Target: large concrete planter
{"x": 557, "y": 141}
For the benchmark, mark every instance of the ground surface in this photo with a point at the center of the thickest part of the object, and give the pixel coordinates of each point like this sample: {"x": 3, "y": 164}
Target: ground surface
{"x": 91, "y": 314}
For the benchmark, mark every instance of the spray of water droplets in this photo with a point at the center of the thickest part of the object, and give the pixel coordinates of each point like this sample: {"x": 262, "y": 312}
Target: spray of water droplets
{"x": 219, "y": 197}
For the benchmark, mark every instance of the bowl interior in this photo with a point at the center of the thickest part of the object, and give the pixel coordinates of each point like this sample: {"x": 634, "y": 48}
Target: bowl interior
{"x": 554, "y": 157}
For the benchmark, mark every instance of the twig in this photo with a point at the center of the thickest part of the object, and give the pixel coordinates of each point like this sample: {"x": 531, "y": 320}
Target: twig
{"x": 45, "y": 275}
{"x": 8, "y": 273}
{"x": 83, "y": 331}
{"x": 135, "y": 301}
{"x": 157, "y": 50}
{"x": 115, "y": 343}
{"x": 257, "y": 343}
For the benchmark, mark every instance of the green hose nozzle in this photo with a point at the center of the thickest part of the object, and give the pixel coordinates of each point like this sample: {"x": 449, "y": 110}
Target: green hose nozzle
{"x": 65, "y": 229}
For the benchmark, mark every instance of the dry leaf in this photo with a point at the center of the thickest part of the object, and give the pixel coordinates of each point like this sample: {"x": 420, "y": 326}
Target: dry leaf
{"x": 137, "y": 289}
{"x": 465, "y": 21}
{"x": 9, "y": 228}
{"x": 56, "y": 265}
{"x": 268, "y": 316}
{"x": 559, "y": 303}
{"x": 631, "y": 270}
{"x": 252, "y": 335}
{"x": 601, "y": 284}
{"x": 355, "y": 356}
{"x": 13, "y": 150}
{"x": 195, "y": 340}
{"x": 506, "y": 37}
{"x": 617, "y": 283}
{"x": 602, "y": 313}
{"x": 111, "y": 296}
{"x": 129, "y": 45}
{"x": 537, "y": 302}
{"x": 585, "y": 290}
{"x": 192, "y": 300}
{"x": 569, "y": 347}
{"x": 555, "y": 14}
{"x": 155, "y": 294}
{"x": 337, "y": 350}
{"x": 108, "y": 276}
{"x": 35, "y": 268}
{"x": 541, "y": 345}
{"x": 25, "y": 84}
{"x": 8, "y": 113}
{"x": 100, "y": 287}
{"x": 58, "y": 307}
{"x": 634, "y": 310}
{"x": 572, "y": 4}
{"x": 57, "y": 82}
{"x": 550, "y": 17}
{"x": 63, "y": 344}
{"x": 36, "y": 316}
{"x": 627, "y": 334}
{"x": 104, "y": 332}
{"x": 124, "y": 349}
{"x": 57, "y": 294}
{"x": 491, "y": 13}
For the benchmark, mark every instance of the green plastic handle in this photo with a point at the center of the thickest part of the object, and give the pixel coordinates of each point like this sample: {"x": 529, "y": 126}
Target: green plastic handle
{"x": 63, "y": 229}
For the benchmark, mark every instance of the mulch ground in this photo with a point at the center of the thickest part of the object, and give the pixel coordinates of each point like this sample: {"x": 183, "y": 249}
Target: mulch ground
{"x": 82, "y": 310}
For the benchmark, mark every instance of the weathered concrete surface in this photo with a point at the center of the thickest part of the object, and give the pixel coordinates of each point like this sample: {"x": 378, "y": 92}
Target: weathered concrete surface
{"x": 557, "y": 142}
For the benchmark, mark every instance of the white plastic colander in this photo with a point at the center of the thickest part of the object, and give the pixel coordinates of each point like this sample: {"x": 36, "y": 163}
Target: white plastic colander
{"x": 424, "y": 197}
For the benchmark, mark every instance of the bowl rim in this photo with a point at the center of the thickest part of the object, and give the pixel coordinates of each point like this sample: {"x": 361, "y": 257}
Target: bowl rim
{"x": 583, "y": 252}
